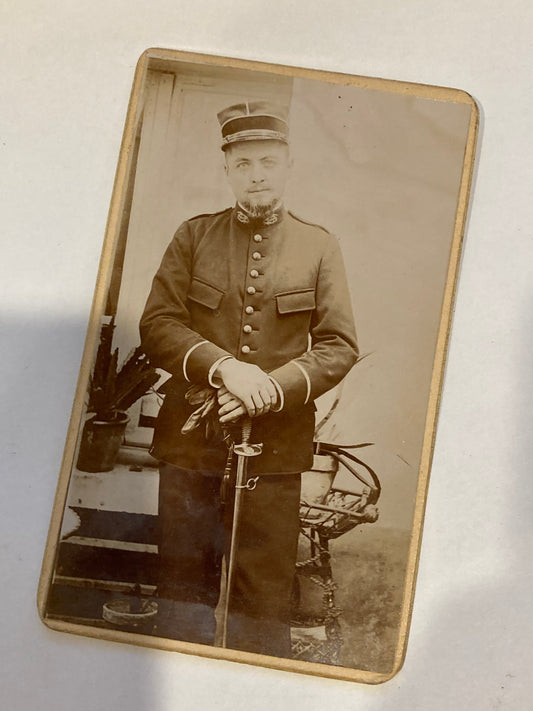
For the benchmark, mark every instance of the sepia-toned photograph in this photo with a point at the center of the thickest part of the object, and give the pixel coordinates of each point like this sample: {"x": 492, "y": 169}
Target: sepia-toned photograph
{"x": 250, "y": 444}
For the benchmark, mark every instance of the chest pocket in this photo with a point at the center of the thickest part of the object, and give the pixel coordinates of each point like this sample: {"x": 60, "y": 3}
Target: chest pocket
{"x": 295, "y": 301}
{"x": 205, "y": 294}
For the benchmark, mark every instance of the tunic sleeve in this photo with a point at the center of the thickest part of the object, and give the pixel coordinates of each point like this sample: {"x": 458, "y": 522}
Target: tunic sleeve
{"x": 166, "y": 336}
{"x": 334, "y": 348}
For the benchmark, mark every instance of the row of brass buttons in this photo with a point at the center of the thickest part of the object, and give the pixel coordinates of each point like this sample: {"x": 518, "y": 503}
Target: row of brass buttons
{"x": 251, "y": 290}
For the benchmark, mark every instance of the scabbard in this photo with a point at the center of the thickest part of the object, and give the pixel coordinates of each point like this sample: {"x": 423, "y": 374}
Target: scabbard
{"x": 243, "y": 452}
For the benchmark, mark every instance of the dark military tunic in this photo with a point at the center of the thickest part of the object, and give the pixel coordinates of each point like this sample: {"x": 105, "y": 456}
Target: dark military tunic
{"x": 270, "y": 294}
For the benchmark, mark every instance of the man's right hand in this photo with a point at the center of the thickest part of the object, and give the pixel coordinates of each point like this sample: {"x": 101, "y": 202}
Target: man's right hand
{"x": 249, "y": 384}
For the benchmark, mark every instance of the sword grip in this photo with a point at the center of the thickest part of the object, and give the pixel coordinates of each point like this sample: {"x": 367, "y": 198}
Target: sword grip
{"x": 246, "y": 430}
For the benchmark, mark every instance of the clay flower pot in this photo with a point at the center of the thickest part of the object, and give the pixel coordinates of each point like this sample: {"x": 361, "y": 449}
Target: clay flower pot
{"x": 100, "y": 442}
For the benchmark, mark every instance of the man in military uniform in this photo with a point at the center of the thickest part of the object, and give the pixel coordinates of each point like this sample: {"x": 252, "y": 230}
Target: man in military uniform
{"x": 251, "y": 301}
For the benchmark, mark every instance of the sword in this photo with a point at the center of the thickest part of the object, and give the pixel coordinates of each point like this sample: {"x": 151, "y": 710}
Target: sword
{"x": 243, "y": 451}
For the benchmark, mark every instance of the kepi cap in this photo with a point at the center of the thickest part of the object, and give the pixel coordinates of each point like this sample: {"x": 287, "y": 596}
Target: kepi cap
{"x": 255, "y": 120}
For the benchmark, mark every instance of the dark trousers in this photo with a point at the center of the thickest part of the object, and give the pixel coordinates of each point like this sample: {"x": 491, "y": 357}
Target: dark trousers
{"x": 195, "y": 531}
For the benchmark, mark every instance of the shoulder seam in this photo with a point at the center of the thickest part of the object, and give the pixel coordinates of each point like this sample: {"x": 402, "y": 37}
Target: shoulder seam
{"x": 306, "y": 222}
{"x": 210, "y": 214}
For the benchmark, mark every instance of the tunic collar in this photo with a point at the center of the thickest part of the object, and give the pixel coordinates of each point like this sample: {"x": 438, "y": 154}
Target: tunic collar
{"x": 244, "y": 218}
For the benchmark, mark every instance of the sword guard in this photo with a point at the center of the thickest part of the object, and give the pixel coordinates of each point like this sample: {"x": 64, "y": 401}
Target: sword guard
{"x": 248, "y": 450}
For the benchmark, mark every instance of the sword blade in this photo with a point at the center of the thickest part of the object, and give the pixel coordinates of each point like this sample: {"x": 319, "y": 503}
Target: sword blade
{"x": 242, "y": 462}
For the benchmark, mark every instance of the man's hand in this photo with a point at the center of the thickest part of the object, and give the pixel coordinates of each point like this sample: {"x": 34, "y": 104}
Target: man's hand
{"x": 248, "y": 384}
{"x": 231, "y": 408}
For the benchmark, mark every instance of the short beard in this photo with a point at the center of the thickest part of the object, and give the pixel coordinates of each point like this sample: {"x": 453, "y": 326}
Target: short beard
{"x": 261, "y": 210}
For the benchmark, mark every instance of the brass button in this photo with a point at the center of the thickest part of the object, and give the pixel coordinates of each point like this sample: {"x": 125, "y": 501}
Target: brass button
{"x": 245, "y": 349}
{"x": 258, "y": 238}
{"x": 249, "y": 309}
{"x": 257, "y": 256}
{"x": 251, "y": 289}
{"x": 254, "y": 273}
{"x": 247, "y": 328}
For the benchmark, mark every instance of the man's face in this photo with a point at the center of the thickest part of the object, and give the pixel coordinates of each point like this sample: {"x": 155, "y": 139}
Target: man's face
{"x": 257, "y": 172}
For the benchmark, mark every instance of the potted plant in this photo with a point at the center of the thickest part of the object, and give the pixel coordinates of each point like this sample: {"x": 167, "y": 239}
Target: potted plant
{"x": 112, "y": 390}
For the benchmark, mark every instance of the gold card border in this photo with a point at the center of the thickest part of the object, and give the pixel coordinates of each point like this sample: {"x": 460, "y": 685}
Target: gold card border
{"x": 158, "y": 58}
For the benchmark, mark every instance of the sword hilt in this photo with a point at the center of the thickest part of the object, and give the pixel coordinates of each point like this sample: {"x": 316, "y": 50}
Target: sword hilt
{"x": 245, "y": 449}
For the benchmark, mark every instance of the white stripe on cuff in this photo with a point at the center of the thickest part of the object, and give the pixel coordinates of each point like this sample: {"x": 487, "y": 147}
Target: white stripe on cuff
{"x": 186, "y": 358}
{"x": 281, "y": 396}
{"x": 212, "y": 371}
{"x": 307, "y": 380}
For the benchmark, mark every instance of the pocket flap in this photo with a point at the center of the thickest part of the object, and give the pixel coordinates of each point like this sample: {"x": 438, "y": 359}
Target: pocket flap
{"x": 294, "y": 301}
{"x": 205, "y": 294}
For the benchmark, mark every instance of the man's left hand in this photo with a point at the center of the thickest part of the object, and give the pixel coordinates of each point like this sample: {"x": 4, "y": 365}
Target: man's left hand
{"x": 231, "y": 408}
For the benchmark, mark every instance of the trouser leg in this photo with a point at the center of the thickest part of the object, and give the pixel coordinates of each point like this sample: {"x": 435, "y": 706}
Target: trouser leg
{"x": 192, "y": 538}
{"x": 265, "y": 564}
{"x": 191, "y": 545}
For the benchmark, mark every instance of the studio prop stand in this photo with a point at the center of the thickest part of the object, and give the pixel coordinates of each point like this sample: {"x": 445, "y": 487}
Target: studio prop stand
{"x": 326, "y": 513}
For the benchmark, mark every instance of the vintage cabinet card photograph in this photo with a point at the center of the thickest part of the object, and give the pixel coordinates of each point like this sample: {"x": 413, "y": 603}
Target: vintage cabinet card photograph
{"x": 249, "y": 450}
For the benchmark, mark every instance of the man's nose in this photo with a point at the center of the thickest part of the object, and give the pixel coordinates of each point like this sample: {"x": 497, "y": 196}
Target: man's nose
{"x": 257, "y": 174}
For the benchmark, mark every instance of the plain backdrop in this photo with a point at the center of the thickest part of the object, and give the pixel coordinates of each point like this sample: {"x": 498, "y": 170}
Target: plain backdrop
{"x": 66, "y": 76}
